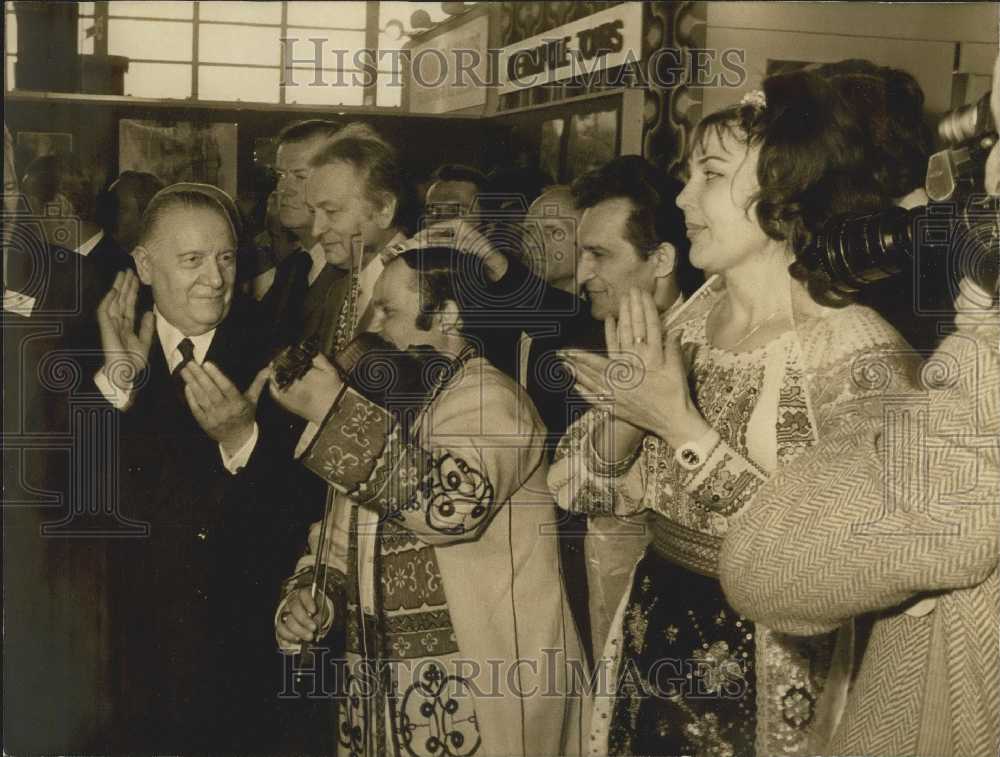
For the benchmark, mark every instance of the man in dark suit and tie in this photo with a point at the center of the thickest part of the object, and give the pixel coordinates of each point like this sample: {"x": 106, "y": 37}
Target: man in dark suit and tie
{"x": 201, "y": 466}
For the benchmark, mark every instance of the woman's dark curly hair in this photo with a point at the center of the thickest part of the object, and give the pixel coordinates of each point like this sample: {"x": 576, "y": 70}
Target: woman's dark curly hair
{"x": 815, "y": 163}
{"x": 891, "y": 103}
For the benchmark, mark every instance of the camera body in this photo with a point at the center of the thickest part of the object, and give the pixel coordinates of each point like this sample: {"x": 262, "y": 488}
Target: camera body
{"x": 970, "y": 133}
{"x": 961, "y": 222}
{"x": 861, "y": 250}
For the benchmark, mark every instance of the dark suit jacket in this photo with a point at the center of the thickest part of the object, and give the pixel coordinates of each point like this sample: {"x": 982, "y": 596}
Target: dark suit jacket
{"x": 555, "y": 320}
{"x": 297, "y": 309}
{"x": 194, "y": 604}
{"x": 108, "y": 258}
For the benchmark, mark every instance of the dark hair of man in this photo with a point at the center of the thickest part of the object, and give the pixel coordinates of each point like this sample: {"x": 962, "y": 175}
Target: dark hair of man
{"x": 142, "y": 185}
{"x": 303, "y": 131}
{"x": 186, "y": 199}
{"x": 815, "y": 161}
{"x": 459, "y": 172}
{"x": 655, "y": 217}
{"x": 379, "y": 165}
{"x": 891, "y": 104}
{"x": 447, "y": 274}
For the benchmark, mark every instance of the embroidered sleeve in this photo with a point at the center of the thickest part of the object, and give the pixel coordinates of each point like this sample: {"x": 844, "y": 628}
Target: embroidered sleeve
{"x": 350, "y": 443}
{"x": 726, "y": 481}
{"x": 445, "y": 489}
{"x": 582, "y": 482}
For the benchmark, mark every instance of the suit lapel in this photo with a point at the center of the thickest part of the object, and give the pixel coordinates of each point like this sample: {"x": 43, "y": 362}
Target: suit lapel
{"x": 239, "y": 345}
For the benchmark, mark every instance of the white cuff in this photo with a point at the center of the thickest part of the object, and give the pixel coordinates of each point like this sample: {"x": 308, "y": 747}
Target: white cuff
{"x": 119, "y": 397}
{"x": 242, "y": 455}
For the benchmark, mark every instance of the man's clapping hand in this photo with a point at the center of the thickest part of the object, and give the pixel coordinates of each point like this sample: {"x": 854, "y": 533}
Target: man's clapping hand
{"x": 224, "y": 412}
{"x": 116, "y": 321}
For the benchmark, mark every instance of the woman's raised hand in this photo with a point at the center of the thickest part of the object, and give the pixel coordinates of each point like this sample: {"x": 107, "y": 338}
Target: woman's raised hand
{"x": 644, "y": 377}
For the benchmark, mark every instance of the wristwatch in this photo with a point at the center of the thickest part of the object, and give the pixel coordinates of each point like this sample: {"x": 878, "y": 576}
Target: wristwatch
{"x": 693, "y": 454}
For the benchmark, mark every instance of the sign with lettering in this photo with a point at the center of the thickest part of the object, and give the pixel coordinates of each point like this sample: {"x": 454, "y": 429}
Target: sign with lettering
{"x": 600, "y": 41}
{"x": 448, "y": 71}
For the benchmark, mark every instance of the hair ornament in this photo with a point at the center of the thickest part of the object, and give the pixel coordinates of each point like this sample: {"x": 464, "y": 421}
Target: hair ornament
{"x": 755, "y": 99}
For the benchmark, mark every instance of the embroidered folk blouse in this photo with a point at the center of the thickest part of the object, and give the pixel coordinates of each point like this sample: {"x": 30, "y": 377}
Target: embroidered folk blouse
{"x": 787, "y": 396}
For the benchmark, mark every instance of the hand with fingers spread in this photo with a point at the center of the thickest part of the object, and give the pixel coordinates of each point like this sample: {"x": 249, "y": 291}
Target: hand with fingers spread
{"x": 311, "y": 396}
{"x": 644, "y": 376}
{"x": 303, "y": 619}
{"x": 116, "y": 321}
{"x": 224, "y": 412}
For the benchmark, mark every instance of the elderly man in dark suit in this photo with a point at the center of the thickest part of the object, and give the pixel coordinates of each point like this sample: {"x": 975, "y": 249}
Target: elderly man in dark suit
{"x": 201, "y": 466}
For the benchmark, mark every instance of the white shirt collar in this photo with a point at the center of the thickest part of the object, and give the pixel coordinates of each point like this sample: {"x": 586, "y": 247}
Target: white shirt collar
{"x": 87, "y": 247}
{"x": 318, "y": 255}
{"x": 370, "y": 273}
{"x": 170, "y": 336}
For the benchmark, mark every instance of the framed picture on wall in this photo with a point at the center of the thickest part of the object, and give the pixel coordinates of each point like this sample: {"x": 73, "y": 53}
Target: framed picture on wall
{"x": 180, "y": 151}
{"x": 592, "y": 141}
{"x": 36, "y": 144}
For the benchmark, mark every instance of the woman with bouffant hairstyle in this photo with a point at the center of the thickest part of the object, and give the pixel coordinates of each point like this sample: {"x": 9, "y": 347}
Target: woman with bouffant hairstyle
{"x": 701, "y": 407}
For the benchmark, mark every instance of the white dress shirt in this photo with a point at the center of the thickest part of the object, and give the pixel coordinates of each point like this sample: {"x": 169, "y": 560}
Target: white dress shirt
{"x": 87, "y": 247}
{"x": 318, "y": 256}
{"x": 170, "y": 337}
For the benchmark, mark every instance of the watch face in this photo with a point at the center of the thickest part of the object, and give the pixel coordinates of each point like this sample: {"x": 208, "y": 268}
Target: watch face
{"x": 689, "y": 456}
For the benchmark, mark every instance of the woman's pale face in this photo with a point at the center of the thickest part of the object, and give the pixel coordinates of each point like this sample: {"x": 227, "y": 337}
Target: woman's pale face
{"x": 720, "y": 219}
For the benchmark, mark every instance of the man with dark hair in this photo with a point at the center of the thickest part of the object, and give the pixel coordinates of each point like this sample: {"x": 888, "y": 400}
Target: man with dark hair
{"x": 297, "y": 298}
{"x": 448, "y": 565}
{"x": 631, "y": 235}
{"x": 453, "y": 192}
{"x": 130, "y": 193}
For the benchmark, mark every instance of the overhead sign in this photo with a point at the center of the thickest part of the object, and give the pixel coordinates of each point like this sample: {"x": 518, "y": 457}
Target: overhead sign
{"x": 600, "y": 41}
{"x": 447, "y": 72}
